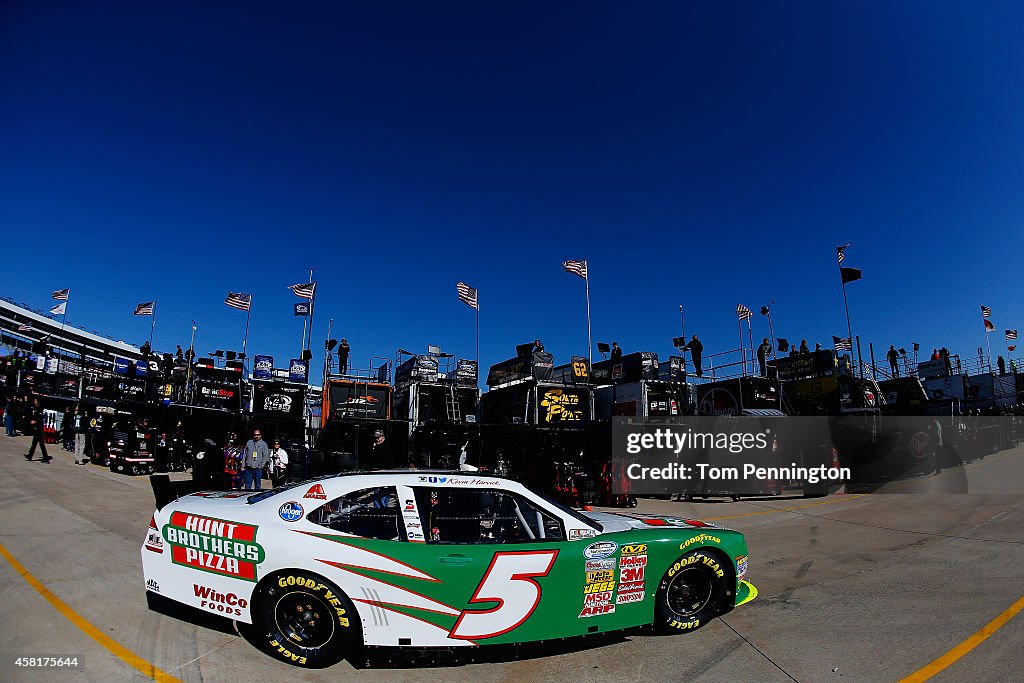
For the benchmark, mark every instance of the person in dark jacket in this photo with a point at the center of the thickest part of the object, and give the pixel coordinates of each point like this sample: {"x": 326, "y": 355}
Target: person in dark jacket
{"x": 894, "y": 358}
{"x": 35, "y": 423}
{"x": 343, "y": 351}
{"x": 763, "y": 351}
{"x": 696, "y": 350}
{"x": 616, "y": 351}
{"x": 383, "y": 458}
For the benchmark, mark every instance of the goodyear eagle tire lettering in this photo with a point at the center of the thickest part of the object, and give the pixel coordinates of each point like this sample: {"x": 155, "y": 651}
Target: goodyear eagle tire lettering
{"x": 692, "y": 592}
{"x": 302, "y": 619}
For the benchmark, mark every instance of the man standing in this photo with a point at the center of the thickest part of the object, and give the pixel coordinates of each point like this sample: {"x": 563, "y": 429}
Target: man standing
{"x": 382, "y": 456}
{"x": 616, "y": 352}
{"x": 894, "y": 358}
{"x": 9, "y": 415}
{"x": 35, "y": 423}
{"x": 343, "y": 349}
{"x": 538, "y": 347}
{"x": 696, "y": 350}
{"x": 79, "y": 424}
{"x": 255, "y": 457}
{"x": 278, "y": 464}
{"x": 763, "y": 351}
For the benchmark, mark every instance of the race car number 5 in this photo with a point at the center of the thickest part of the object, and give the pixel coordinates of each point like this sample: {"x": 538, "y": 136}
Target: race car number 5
{"x": 509, "y": 581}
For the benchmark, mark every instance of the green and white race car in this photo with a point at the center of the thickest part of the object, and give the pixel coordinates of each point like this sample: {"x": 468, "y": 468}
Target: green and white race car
{"x": 423, "y": 559}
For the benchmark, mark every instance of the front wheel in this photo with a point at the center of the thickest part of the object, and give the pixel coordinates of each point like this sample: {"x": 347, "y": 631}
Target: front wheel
{"x": 692, "y": 592}
{"x": 303, "y": 619}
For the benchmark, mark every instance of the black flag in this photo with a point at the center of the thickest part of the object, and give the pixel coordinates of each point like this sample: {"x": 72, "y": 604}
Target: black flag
{"x": 850, "y": 274}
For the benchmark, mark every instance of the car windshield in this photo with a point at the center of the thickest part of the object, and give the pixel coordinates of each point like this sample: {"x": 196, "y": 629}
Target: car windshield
{"x": 575, "y": 514}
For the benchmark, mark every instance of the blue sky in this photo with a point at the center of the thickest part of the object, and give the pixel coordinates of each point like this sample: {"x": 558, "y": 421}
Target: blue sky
{"x": 696, "y": 155}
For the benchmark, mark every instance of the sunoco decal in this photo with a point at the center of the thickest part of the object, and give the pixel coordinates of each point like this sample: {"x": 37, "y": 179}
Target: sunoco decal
{"x": 599, "y": 550}
{"x": 214, "y": 545}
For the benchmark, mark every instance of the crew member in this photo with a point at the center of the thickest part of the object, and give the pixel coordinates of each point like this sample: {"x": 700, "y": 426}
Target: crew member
{"x": 763, "y": 351}
{"x": 537, "y": 346}
{"x": 894, "y": 358}
{"x": 278, "y": 464}
{"x": 256, "y": 455}
{"x": 616, "y": 351}
{"x": 343, "y": 349}
{"x": 803, "y": 347}
{"x": 696, "y": 351}
{"x": 382, "y": 456}
{"x": 35, "y": 423}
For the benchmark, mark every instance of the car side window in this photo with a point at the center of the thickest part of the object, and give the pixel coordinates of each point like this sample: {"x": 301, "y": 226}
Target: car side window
{"x": 370, "y": 513}
{"x": 476, "y": 516}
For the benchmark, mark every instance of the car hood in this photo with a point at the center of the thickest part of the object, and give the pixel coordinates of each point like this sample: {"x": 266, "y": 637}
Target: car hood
{"x": 612, "y": 522}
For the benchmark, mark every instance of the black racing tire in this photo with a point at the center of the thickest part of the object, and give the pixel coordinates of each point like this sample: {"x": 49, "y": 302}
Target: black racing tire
{"x": 693, "y": 591}
{"x": 303, "y": 619}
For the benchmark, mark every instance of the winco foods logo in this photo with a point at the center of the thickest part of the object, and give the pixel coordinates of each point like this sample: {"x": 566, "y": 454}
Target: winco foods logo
{"x": 278, "y": 402}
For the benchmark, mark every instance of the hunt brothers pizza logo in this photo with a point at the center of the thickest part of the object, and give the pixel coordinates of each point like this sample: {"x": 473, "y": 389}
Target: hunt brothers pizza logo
{"x": 214, "y": 545}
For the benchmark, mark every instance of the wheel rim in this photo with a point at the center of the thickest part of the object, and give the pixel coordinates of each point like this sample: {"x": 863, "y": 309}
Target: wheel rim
{"x": 690, "y": 591}
{"x": 304, "y": 619}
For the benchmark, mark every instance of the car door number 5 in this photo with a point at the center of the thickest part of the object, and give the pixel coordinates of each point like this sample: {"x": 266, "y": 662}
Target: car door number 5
{"x": 509, "y": 581}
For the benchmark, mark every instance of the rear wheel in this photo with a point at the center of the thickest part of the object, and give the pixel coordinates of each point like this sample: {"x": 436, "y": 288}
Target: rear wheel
{"x": 692, "y": 592}
{"x": 303, "y": 619}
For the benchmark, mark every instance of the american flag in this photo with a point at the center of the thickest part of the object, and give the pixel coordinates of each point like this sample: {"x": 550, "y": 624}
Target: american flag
{"x": 1011, "y": 335}
{"x": 240, "y": 301}
{"x": 743, "y": 313}
{"x": 839, "y": 252}
{"x": 986, "y": 312}
{"x": 576, "y": 267}
{"x": 842, "y": 343}
{"x": 25, "y": 327}
{"x": 304, "y": 290}
{"x": 62, "y": 294}
{"x": 468, "y": 295}
{"x": 145, "y": 309}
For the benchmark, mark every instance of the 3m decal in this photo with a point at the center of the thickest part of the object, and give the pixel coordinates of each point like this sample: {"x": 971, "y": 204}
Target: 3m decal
{"x": 214, "y": 545}
{"x": 600, "y": 550}
{"x": 316, "y": 492}
{"x": 290, "y": 511}
{"x": 509, "y": 581}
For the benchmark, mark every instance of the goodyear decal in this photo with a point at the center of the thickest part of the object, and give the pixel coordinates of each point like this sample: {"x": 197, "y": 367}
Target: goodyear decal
{"x": 214, "y": 545}
{"x": 699, "y": 538}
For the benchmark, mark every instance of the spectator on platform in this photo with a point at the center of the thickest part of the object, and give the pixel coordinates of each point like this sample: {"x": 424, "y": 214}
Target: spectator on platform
{"x": 1001, "y": 364}
{"x": 278, "y": 464}
{"x": 763, "y": 351}
{"x": 616, "y": 351}
{"x": 944, "y": 355}
{"x": 36, "y": 419}
{"x": 817, "y": 347}
{"x": 696, "y": 351}
{"x": 179, "y": 356}
{"x": 538, "y": 347}
{"x": 803, "y": 348}
{"x": 343, "y": 351}
{"x": 255, "y": 457}
{"x": 936, "y": 355}
{"x": 894, "y": 359}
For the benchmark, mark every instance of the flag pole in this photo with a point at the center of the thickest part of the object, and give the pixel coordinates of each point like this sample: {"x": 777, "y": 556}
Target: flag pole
{"x": 590, "y": 345}
{"x": 152, "y": 326}
{"x": 64, "y": 317}
{"x": 305, "y": 321}
{"x": 312, "y": 306}
{"x": 846, "y": 305}
{"x": 478, "y": 336}
{"x": 327, "y": 354}
{"x": 743, "y": 353}
{"x": 248, "y": 311}
{"x": 682, "y": 349}
{"x": 988, "y": 345}
{"x": 750, "y": 343}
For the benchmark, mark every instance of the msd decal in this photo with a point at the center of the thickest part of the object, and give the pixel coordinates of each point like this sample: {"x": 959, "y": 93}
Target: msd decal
{"x": 214, "y": 545}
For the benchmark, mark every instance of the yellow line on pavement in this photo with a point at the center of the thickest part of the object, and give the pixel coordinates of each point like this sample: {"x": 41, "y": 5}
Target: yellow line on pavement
{"x": 121, "y": 652}
{"x": 929, "y": 670}
{"x": 839, "y": 499}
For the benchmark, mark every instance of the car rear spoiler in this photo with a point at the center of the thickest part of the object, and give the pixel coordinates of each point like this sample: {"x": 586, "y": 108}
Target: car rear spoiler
{"x": 166, "y": 491}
